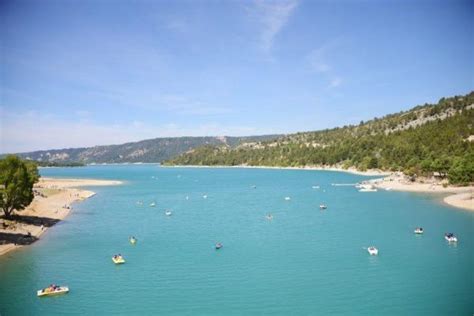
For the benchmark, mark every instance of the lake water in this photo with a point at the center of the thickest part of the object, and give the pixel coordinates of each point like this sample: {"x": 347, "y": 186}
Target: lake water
{"x": 303, "y": 262}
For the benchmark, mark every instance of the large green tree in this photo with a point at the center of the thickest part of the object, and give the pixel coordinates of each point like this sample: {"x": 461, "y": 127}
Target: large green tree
{"x": 17, "y": 178}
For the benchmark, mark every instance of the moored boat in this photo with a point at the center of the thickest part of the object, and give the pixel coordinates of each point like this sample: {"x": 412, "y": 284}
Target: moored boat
{"x": 419, "y": 230}
{"x": 219, "y": 246}
{"x": 132, "y": 240}
{"x": 168, "y": 213}
{"x": 53, "y": 290}
{"x": 152, "y": 204}
{"x": 287, "y": 198}
{"x": 323, "y": 207}
{"x": 373, "y": 251}
{"x": 450, "y": 237}
{"x": 269, "y": 217}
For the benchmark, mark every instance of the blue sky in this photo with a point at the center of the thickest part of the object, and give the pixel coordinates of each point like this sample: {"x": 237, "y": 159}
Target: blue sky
{"x": 84, "y": 73}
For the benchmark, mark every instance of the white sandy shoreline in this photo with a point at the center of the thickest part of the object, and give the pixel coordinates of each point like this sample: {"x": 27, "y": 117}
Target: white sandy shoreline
{"x": 52, "y": 204}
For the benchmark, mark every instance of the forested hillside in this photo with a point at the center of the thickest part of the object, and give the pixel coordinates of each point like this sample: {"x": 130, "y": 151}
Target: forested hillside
{"x": 424, "y": 140}
{"x": 151, "y": 150}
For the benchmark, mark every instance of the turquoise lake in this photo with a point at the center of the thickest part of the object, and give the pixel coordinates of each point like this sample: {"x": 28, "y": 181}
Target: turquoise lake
{"x": 303, "y": 262}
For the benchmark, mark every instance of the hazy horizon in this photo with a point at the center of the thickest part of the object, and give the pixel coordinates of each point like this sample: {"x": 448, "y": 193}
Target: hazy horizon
{"x": 82, "y": 74}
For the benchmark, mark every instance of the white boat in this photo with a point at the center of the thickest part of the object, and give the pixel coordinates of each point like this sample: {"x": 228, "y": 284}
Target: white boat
{"x": 53, "y": 290}
{"x": 287, "y": 198}
{"x": 315, "y": 186}
{"x": 323, "y": 207}
{"x": 168, "y": 213}
{"x": 269, "y": 217}
{"x": 187, "y": 197}
{"x": 388, "y": 189}
{"x": 419, "y": 230}
{"x": 132, "y": 240}
{"x": 367, "y": 188}
{"x": 152, "y": 204}
{"x": 373, "y": 251}
{"x": 204, "y": 196}
{"x": 219, "y": 246}
{"x": 450, "y": 237}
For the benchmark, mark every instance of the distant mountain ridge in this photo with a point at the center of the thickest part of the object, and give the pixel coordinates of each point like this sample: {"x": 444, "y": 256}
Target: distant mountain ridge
{"x": 146, "y": 151}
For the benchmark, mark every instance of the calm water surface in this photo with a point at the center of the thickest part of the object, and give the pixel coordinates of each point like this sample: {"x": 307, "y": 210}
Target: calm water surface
{"x": 303, "y": 262}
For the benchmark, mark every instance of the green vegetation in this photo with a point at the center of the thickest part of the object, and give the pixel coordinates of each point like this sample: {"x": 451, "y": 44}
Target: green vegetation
{"x": 59, "y": 164}
{"x": 426, "y": 140}
{"x": 16, "y": 184}
{"x": 150, "y": 150}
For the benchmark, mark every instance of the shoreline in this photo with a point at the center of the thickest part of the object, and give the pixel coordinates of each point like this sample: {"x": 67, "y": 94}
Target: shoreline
{"x": 371, "y": 172}
{"x": 459, "y": 197}
{"x": 52, "y": 203}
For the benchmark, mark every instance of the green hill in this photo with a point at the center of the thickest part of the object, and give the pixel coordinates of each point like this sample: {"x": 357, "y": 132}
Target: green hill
{"x": 151, "y": 150}
{"x": 424, "y": 140}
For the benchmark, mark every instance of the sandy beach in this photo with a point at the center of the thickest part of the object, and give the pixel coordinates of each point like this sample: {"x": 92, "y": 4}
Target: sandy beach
{"x": 53, "y": 201}
{"x": 461, "y": 197}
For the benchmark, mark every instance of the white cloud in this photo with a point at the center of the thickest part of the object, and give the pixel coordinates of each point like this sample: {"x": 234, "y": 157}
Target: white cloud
{"x": 318, "y": 62}
{"x": 25, "y": 132}
{"x": 272, "y": 16}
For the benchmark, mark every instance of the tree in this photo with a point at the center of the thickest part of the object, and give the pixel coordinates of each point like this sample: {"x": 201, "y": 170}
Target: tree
{"x": 16, "y": 184}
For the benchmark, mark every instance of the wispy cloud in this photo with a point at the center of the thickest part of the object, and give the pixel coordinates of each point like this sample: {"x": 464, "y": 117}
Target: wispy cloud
{"x": 272, "y": 17}
{"x": 318, "y": 60}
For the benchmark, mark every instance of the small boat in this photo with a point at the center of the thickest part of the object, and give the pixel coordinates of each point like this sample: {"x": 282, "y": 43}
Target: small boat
{"x": 419, "y": 230}
{"x": 168, "y": 213}
{"x": 450, "y": 237}
{"x": 367, "y": 188}
{"x": 53, "y": 290}
{"x": 388, "y": 189}
{"x": 132, "y": 240}
{"x": 152, "y": 204}
{"x": 219, "y": 246}
{"x": 187, "y": 197}
{"x": 118, "y": 259}
{"x": 315, "y": 186}
{"x": 269, "y": 217}
{"x": 287, "y": 198}
{"x": 254, "y": 186}
{"x": 373, "y": 251}
{"x": 139, "y": 202}
{"x": 323, "y": 207}
{"x": 204, "y": 196}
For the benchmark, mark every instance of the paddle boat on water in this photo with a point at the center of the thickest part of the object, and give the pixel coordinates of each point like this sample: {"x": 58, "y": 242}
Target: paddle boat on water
{"x": 269, "y": 217}
{"x": 322, "y": 206}
{"x": 450, "y": 237}
{"x": 419, "y": 230}
{"x": 373, "y": 251}
{"x": 118, "y": 259}
{"x": 132, "y": 240}
{"x": 53, "y": 290}
{"x": 219, "y": 246}
{"x": 168, "y": 213}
